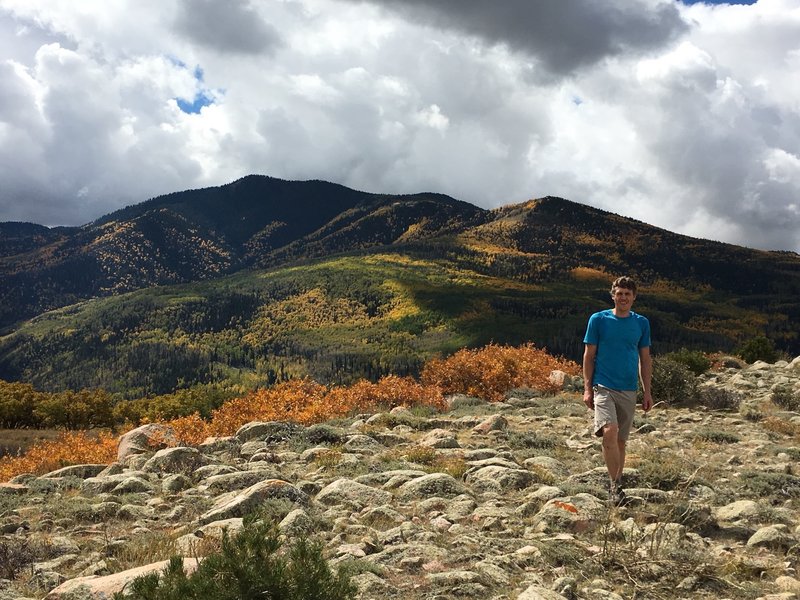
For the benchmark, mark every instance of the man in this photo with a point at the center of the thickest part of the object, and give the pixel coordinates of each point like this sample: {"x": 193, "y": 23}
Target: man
{"x": 616, "y": 354}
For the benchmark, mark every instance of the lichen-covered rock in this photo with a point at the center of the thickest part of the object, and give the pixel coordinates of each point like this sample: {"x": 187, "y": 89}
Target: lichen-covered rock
{"x": 500, "y": 479}
{"x": 773, "y": 536}
{"x": 352, "y": 494}
{"x": 175, "y": 460}
{"x": 240, "y": 504}
{"x": 433, "y": 484}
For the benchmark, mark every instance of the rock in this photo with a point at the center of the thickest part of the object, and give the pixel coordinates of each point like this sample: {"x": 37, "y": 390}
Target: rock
{"x": 493, "y": 423}
{"x": 538, "y": 592}
{"x": 439, "y": 438}
{"x": 363, "y": 444}
{"x": 188, "y": 544}
{"x": 500, "y": 479}
{"x": 239, "y": 504}
{"x": 175, "y": 460}
{"x": 79, "y": 471}
{"x": 296, "y": 524}
{"x": 741, "y": 509}
{"x": 434, "y": 484}
{"x": 13, "y": 489}
{"x": 100, "y": 588}
{"x": 269, "y": 431}
{"x": 146, "y": 438}
{"x": 788, "y": 584}
{"x": 238, "y": 480}
{"x": 352, "y": 494}
{"x": 574, "y": 513}
{"x": 176, "y": 483}
{"x": 773, "y": 536}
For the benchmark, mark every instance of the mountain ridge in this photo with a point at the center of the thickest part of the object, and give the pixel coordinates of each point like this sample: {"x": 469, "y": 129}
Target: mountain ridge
{"x": 370, "y": 285}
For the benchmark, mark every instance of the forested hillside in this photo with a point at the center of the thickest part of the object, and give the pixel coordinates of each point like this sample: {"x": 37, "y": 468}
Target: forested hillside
{"x": 378, "y": 287}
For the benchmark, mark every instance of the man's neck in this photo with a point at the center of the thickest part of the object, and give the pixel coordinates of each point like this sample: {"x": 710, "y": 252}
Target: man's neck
{"x": 621, "y": 314}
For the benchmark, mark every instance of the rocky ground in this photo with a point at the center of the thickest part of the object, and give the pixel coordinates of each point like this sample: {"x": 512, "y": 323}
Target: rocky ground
{"x": 487, "y": 500}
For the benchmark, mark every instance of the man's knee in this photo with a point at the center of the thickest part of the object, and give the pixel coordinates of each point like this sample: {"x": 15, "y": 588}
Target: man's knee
{"x": 611, "y": 434}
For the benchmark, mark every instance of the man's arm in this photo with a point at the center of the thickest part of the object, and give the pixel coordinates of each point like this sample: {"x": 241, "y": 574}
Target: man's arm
{"x": 646, "y": 373}
{"x": 589, "y": 353}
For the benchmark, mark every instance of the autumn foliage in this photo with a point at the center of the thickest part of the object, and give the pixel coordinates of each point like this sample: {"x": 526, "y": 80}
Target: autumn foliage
{"x": 491, "y": 371}
{"x": 488, "y": 373}
{"x": 72, "y": 448}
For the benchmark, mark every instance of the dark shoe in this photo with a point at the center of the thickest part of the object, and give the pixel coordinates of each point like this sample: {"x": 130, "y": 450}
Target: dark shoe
{"x": 616, "y": 495}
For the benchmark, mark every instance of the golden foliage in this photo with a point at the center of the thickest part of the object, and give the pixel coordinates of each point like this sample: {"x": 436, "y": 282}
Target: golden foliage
{"x": 71, "y": 448}
{"x": 491, "y": 371}
{"x": 487, "y": 373}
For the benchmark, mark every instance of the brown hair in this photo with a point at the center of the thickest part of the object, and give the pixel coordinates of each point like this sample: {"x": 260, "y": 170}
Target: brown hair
{"x": 624, "y": 282}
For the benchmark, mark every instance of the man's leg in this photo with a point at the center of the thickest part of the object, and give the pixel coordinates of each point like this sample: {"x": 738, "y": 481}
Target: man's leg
{"x": 613, "y": 451}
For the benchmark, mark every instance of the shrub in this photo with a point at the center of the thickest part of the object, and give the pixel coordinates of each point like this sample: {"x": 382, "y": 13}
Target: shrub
{"x": 758, "y": 348}
{"x": 697, "y": 362}
{"x": 532, "y": 439}
{"x": 493, "y": 370}
{"x": 672, "y": 382}
{"x": 718, "y": 437}
{"x": 764, "y": 485}
{"x": 786, "y": 398}
{"x": 717, "y": 398}
{"x": 71, "y": 448}
{"x": 323, "y": 434}
{"x": 17, "y": 554}
{"x": 252, "y": 564}
{"x": 661, "y": 469}
{"x": 781, "y": 426}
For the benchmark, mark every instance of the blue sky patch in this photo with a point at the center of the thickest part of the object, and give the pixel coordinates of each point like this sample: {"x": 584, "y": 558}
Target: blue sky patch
{"x": 203, "y": 97}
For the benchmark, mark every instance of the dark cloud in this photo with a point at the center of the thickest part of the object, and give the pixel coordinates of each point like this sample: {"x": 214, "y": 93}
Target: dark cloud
{"x": 230, "y": 26}
{"x": 563, "y": 36}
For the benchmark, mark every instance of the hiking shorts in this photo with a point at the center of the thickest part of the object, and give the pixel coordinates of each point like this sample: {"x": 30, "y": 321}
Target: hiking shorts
{"x": 613, "y": 406}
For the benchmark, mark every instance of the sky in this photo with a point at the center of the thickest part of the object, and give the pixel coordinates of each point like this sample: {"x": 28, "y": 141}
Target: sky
{"x": 682, "y": 115}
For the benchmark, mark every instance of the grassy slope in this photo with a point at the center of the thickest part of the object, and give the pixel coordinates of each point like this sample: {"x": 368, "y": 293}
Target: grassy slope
{"x": 336, "y": 320}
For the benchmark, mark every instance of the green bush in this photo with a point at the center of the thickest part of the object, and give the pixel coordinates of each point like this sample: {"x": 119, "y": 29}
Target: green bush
{"x": 720, "y": 398}
{"x": 717, "y": 436}
{"x": 251, "y": 565}
{"x": 758, "y": 348}
{"x": 672, "y": 382}
{"x": 786, "y": 399}
{"x": 697, "y": 362}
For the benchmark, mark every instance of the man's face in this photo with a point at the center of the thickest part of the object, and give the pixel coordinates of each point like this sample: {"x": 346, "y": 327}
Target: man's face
{"x": 623, "y": 298}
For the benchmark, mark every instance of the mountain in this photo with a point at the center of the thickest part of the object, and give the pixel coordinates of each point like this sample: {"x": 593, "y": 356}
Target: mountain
{"x": 198, "y": 235}
{"x": 265, "y": 279}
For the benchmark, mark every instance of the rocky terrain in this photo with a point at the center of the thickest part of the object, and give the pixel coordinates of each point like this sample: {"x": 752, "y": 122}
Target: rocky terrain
{"x": 499, "y": 500}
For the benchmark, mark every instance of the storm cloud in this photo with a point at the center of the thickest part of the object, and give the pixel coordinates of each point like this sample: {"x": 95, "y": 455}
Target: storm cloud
{"x": 685, "y": 117}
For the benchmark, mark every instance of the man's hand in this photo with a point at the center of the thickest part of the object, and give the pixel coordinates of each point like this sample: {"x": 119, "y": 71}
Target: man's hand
{"x": 647, "y": 401}
{"x": 588, "y": 398}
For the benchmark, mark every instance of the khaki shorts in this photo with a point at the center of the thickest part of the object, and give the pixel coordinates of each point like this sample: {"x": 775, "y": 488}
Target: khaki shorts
{"x": 613, "y": 406}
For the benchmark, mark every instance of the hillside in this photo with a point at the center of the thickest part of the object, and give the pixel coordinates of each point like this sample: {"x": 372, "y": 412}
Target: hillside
{"x": 478, "y": 500}
{"x": 370, "y": 285}
{"x": 198, "y": 235}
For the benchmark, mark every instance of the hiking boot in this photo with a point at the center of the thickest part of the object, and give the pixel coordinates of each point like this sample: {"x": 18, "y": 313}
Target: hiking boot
{"x": 616, "y": 495}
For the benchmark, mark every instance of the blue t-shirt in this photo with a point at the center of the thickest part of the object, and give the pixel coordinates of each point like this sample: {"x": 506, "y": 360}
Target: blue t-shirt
{"x": 618, "y": 341}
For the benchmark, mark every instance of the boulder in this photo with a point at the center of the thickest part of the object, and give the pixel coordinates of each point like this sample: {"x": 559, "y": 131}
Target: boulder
{"x": 101, "y": 588}
{"x": 239, "y": 504}
{"x": 146, "y": 438}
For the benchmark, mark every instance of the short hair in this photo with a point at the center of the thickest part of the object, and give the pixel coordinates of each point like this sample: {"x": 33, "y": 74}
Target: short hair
{"x": 624, "y": 282}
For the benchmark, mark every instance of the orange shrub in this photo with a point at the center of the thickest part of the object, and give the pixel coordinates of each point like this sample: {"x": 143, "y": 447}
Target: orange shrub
{"x": 283, "y": 402}
{"x": 491, "y": 371}
{"x": 191, "y": 430}
{"x": 363, "y": 396}
{"x": 72, "y": 448}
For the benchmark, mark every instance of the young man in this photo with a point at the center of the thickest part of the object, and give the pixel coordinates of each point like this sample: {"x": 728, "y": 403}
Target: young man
{"x": 616, "y": 354}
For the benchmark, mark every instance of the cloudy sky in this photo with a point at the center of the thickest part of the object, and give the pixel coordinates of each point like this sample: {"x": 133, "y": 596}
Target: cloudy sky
{"x": 683, "y": 115}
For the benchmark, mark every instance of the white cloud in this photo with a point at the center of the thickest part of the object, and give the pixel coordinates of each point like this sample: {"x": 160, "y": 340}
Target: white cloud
{"x": 686, "y": 117}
